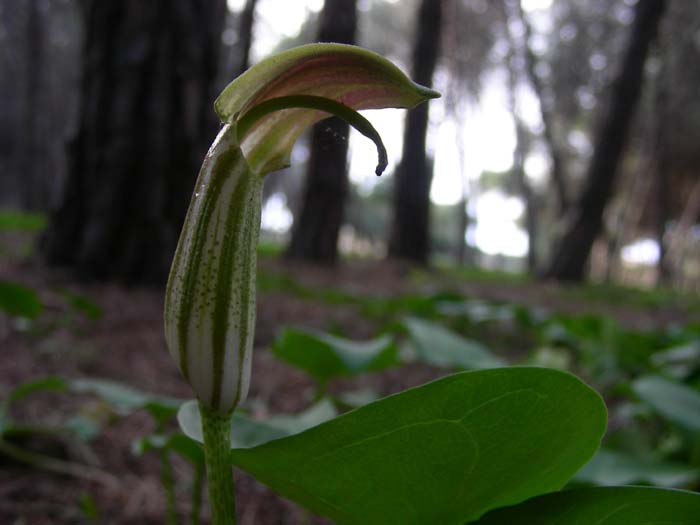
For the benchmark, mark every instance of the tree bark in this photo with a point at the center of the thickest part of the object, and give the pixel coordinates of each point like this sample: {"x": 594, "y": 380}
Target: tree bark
{"x": 33, "y": 181}
{"x": 145, "y": 124}
{"x": 556, "y": 156}
{"x": 409, "y": 237}
{"x": 317, "y": 224}
{"x": 245, "y": 34}
{"x": 520, "y": 153}
{"x": 570, "y": 259}
{"x": 661, "y": 171}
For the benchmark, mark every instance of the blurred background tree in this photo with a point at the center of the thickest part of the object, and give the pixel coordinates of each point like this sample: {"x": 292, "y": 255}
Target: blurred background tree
{"x": 410, "y": 227}
{"x": 315, "y": 232}
{"x": 145, "y": 122}
{"x": 109, "y": 113}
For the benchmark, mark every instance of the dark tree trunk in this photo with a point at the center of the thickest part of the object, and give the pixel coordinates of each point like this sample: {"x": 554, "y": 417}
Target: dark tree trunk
{"x": 33, "y": 181}
{"x": 570, "y": 259}
{"x": 662, "y": 170}
{"x": 317, "y": 223}
{"x": 245, "y": 34}
{"x": 410, "y": 228}
{"x": 235, "y": 57}
{"x": 146, "y": 120}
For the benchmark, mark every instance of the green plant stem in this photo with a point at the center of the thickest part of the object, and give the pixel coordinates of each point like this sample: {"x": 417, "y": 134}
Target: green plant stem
{"x": 216, "y": 429}
{"x": 168, "y": 482}
{"x": 197, "y": 487}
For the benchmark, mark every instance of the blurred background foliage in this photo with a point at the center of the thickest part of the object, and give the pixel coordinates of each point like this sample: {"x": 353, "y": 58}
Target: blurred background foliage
{"x": 108, "y": 114}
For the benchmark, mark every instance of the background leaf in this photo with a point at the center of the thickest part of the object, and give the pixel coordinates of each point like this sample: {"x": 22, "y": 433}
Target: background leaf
{"x": 609, "y": 467}
{"x": 324, "y": 356}
{"x": 19, "y": 300}
{"x": 247, "y": 432}
{"x": 438, "y": 346}
{"x": 674, "y": 401}
{"x": 603, "y": 506}
{"x": 441, "y": 453}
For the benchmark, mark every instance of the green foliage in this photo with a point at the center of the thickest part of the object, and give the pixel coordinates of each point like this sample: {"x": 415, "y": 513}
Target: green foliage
{"x": 247, "y": 432}
{"x": 609, "y": 467}
{"x": 82, "y": 304}
{"x": 676, "y": 402}
{"x": 326, "y": 357}
{"x": 438, "y": 346}
{"x": 18, "y": 300}
{"x": 603, "y": 506}
{"x": 442, "y": 453}
{"x": 21, "y": 221}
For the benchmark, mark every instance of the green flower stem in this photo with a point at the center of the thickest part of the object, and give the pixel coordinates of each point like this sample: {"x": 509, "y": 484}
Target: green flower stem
{"x": 216, "y": 429}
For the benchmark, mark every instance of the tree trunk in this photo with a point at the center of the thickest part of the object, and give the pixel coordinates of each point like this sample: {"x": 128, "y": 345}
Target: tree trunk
{"x": 317, "y": 223}
{"x": 556, "y": 156}
{"x": 520, "y": 153}
{"x": 573, "y": 252}
{"x": 146, "y": 120}
{"x": 235, "y": 57}
{"x": 245, "y": 34}
{"x": 33, "y": 181}
{"x": 661, "y": 172}
{"x": 410, "y": 228}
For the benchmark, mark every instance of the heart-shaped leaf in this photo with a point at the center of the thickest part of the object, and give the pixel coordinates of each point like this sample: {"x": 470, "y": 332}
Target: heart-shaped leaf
{"x": 445, "y": 452}
{"x": 603, "y": 506}
{"x": 324, "y": 356}
{"x": 438, "y": 346}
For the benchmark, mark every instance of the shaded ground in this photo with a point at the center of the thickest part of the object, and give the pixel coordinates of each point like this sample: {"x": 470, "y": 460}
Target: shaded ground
{"x": 125, "y": 344}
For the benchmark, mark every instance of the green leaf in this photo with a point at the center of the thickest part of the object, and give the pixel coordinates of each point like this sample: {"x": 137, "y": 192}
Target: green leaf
{"x": 15, "y": 220}
{"x": 609, "y": 467}
{"x": 126, "y": 398}
{"x": 603, "y": 506}
{"x": 348, "y": 75}
{"x": 23, "y": 390}
{"x": 679, "y": 361}
{"x": 18, "y": 300}
{"x": 438, "y": 346}
{"x": 356, "y": 398}
{"x": 186, "y": 447}
{"x": 82, "y": 304}
{"x": 247, "y": 432}
{"x": 325, "y": 357}
{"x": 441, "y": 453}
{"x": 676, "y": 402}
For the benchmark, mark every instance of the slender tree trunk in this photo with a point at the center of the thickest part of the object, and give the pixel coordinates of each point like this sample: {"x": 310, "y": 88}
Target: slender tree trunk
{"x": 245, "y": 34}
{"x": 145, "y": 123}
{"x": 521, "y": 139}
{"x": 556, "y": 156}
{"x": 317, "y": 224}
{"x": 235, "y": 58}
{"x": 410, "y": 228}
{"x": 570, "y": 259}
{"x": 661, "y": 182}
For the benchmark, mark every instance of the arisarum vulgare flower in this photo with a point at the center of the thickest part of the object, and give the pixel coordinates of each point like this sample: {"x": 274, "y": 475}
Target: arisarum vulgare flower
{"x": 210, "y": 297}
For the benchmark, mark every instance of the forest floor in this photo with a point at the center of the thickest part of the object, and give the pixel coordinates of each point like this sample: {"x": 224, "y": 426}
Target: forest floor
{"x": 123, "y": 342}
